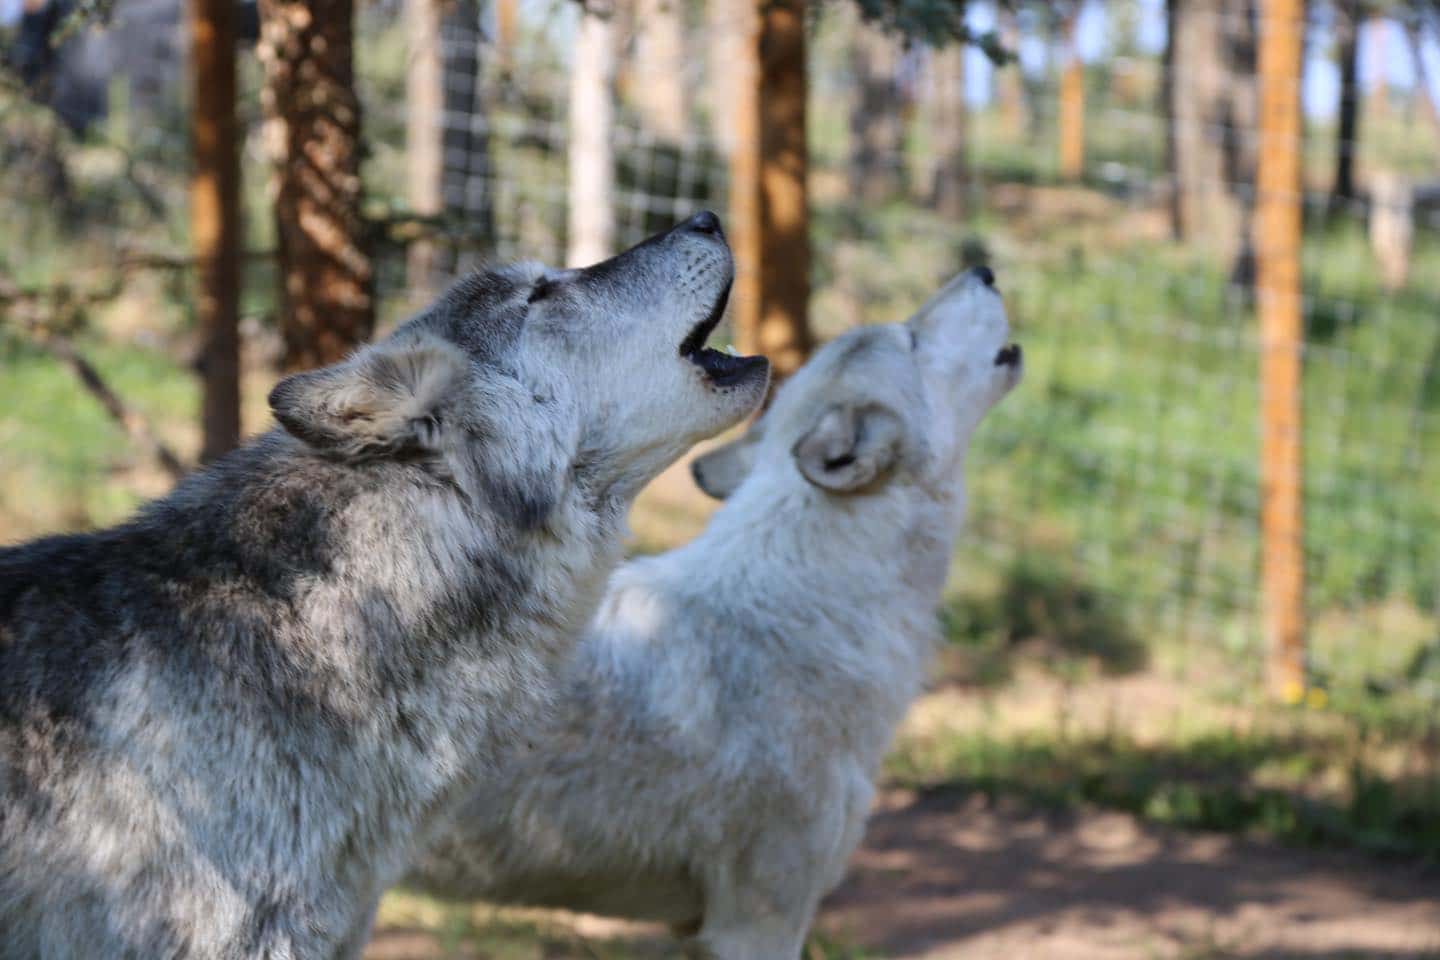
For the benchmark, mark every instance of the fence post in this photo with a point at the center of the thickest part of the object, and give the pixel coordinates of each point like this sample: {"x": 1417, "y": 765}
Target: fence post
{"x": 1277, "y": 249}
{"x": 1072, "y": 102}
{"x": 215, "y": 221}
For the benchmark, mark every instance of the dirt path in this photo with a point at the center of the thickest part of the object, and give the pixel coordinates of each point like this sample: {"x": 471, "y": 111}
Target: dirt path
{"x": 944, "y": 877}
{"x": 941, "y": 876}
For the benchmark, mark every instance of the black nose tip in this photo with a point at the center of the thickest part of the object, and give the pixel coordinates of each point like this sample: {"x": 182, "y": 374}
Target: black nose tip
{"x": 985, "y": 275}
{"x": 703, "y": 222}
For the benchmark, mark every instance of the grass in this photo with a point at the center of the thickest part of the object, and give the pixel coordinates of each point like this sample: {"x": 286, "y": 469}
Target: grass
{"x": 418, "y": 926}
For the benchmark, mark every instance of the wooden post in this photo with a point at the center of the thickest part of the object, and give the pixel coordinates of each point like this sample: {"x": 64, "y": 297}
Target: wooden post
{"x": 215, "y": 221}
{"x": 1072, "y": 104}
{"x": 506, "y": 17}
{"x": 1277, "y": 249}
{"x": 312, "y": 127}
{"x": 769, "y": 203}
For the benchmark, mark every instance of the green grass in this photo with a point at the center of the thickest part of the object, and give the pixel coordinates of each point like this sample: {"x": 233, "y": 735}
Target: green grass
{"x": 478, "y": 930}
{"x": 60, "y": 445}
{"x": 1299, "y": 788}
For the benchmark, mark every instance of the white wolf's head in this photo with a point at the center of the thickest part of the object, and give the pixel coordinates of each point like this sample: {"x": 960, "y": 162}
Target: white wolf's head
{"x": 886, "y": 401}
{"x": 520, "y": 381}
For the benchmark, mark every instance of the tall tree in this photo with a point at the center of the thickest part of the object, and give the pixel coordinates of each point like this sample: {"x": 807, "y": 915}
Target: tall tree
{"x": 215, "y": 220}
{"x": 1414, "y": 25}
{"x": 660, "y": 92}
{"x": 876, "y": 130}
{"x": 1175, "y": 205}
{"x": 1213, "y": 108}
{"x": 1010, "y": 81}
{"x": 424, "y": 121}
{"x": 947, "y": 118}
{"x": 313, "y": 132}
{"x": 591, "y": 235}
{"x": 1348, "y": 16}
{"x": 769, "y": 204}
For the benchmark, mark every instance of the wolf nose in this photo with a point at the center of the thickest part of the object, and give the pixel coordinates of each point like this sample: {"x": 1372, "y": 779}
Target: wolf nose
{"x": 703, "y": 222}
{"x": 985, "y": 275}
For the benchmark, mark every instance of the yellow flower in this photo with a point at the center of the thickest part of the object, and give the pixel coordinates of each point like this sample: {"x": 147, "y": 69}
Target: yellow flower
{"x": 1293, "y": 692}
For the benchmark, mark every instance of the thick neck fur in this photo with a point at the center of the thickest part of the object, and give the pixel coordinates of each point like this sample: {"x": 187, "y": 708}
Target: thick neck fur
{"x": 869, "y": 567}
{"x": 333, "y": 650}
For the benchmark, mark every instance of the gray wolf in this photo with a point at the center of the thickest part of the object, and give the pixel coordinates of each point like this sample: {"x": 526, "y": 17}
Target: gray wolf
{"x": 224, "y": 724}
{"x": 712, "y": 757}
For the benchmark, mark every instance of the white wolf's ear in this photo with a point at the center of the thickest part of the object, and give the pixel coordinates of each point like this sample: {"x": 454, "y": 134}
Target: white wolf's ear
{"x": 850, "y": 447}
{"x": 385, "y": 399}
{"x": 720, "y": 472}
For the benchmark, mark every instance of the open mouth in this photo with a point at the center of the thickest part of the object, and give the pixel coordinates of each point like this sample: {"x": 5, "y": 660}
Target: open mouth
{"x": 1009, "y": 356}
{"x": 721, "y": 369}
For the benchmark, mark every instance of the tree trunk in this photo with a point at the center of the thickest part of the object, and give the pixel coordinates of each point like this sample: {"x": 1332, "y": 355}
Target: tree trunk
{"x": 731, "y": 30}
{"x": 1167, "y": 109}
{"x": 1380, "y": 94}
{"x": 1425, "y": 92}
{"x": 1072, "y": 105}
{"x": 424, "y": 121}
{"x": 507, "y": 19}
{"x": 1212, "y": 101}
{"x": 659, "y": 90}
{"x": 313, "y": 132}
{"x": 1009, "y": 83}
{"x": 876, "y": 131}
{"x": 1347, "y": 37}
{"x": 947, "y": 118}
{"x": 466, "y": 178}
{"x": 215, "y": 221}
{"x": 592, "y": 125}
{"x": 769, "y": 212}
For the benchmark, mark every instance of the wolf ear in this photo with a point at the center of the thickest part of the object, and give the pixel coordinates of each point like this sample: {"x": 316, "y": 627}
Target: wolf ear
{"x": 385, "y": 399}
{"x": 720, "y": 471}
{"x": 850, "y": 447}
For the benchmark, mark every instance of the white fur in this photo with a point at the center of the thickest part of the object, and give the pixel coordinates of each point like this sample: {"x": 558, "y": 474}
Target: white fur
{"x": 712, "y": 758}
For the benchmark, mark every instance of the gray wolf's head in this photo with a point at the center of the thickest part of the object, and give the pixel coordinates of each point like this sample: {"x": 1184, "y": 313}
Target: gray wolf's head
{"x": 882, "y": 402}
{"x": 521, "y": 380}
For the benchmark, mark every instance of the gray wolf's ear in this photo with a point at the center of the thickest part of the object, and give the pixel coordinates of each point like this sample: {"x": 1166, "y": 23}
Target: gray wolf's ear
{"x": 850, "y": 447}
{"x": 385, "y": 399}
{"x": 720, "y": 471}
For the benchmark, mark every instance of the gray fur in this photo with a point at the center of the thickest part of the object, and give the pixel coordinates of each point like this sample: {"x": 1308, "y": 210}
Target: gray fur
{"x": 712, "y": 758}
{"x": 225, "y": 723}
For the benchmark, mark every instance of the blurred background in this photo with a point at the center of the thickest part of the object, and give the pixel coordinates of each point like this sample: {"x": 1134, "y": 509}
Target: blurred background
{"x": 1189, "y": 701}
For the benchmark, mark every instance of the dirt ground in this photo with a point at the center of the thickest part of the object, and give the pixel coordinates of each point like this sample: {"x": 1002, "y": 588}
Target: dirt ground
{"x": 945, "y": 876}
{"x": 942, "y": 876}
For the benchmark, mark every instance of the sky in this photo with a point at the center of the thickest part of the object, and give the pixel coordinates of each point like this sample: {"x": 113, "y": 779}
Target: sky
{"x": 1382, "y": 48}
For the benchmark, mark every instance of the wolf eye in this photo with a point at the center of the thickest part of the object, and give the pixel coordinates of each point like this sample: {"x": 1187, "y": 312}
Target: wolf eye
{"x": 541, "y": 290}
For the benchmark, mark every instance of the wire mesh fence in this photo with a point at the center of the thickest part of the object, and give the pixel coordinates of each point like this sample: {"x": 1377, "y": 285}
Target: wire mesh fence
{"x": 1128, "y": 463}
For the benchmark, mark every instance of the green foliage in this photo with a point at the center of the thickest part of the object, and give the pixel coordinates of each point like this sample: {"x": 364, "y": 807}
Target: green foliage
{"x": 933, "y": 22}
{"x": 1048, "y": 613}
